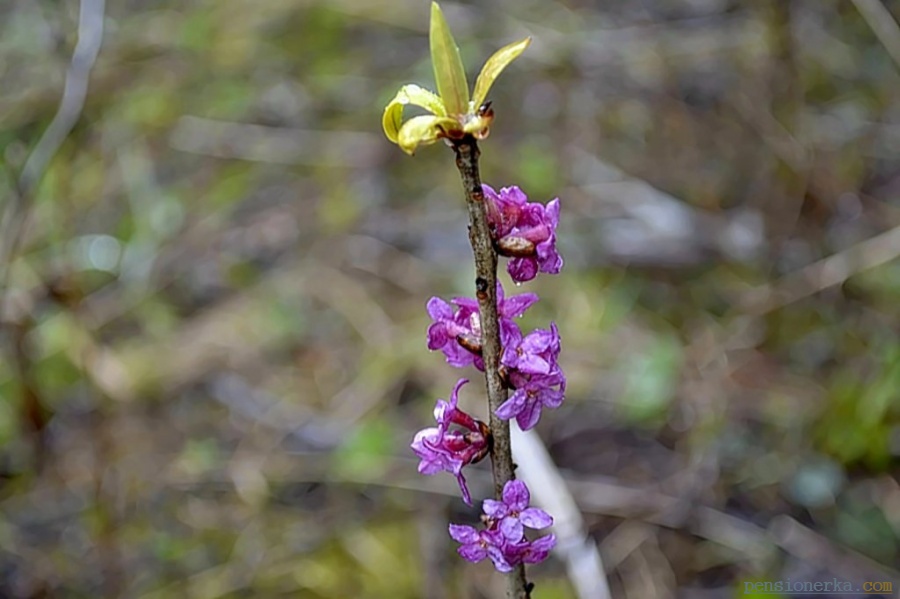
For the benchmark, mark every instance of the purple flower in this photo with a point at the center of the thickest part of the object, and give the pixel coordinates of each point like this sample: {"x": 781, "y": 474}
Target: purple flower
{"x": 441, "y": 449}
{"x": 534, "y": 354}
{"x": 458, "y": 333}
{"x": 533, "y": 393}
{"x": 524, "y": 231}
{"x": 513, "y": 513}
{"x": 503, "y": 539}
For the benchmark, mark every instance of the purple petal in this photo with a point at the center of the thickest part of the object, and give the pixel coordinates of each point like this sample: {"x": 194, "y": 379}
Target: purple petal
{"x": 512, "y": 406}
{"x": 538, "y": 341}
{"x": 514, "y": 195}
{"x": 552, "y": 212}
{"x": 539, "y": 550}
{"x": 522, "y": 270}
{"x": 463, "y": 488}
{"x": 516, "y": 495}
{"x": 529, "y": 416}
{"x": 466, "y": 303}
{"x": 510, "y": 357}
{"x": 552, "y": 398}
{"x": 532, "y": 363}
{"x": 437, "y": 335}
{"x": 443, "y": 412}
{"x": 494, "y": 508}
{"x": 517, "y": 304}
{"x": 438, "y": 309}
{"x": 457, "y": 356}
{"x": 535, "y": 518}
{"x": 473, "y": 553}
{"x": 499, "y": 559}
{"x": 453, "y": 395}
{"x": 509, "y": 332}
{"x": 462, "y": 533}
{"x": 512, "y": 529}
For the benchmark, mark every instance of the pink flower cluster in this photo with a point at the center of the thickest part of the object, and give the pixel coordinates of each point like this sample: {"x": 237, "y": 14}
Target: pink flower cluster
{"x": 503, "y": 539}
{"x": 530, "y": 361}
{"x": 525, "y": 232}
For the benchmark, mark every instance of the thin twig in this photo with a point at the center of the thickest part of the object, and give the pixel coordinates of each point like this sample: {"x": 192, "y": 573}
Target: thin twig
{"x": 882, "y": 22}
{"x": 825, "y": 273}
{"x": 90, "y": 37}
{"x": 486, "y": 291}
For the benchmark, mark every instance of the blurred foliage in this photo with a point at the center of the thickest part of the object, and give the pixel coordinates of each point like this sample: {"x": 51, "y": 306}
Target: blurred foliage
{"x": 213, "y": 329}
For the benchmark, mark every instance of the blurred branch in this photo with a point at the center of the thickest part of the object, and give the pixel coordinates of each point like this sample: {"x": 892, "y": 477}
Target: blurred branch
{"x": 825, "y": 273}
{"x": 883, "y": 25}
{"x": 814, "y": 548}
{"x": 90, "y": 38}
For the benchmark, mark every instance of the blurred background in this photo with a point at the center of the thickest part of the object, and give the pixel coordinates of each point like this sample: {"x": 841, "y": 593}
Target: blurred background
{"x": 215, "y": 267}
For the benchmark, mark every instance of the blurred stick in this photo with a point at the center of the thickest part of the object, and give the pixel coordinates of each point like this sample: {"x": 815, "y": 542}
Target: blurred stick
{"x": 90, "y": 37}
{"x": 15, "y": 215}
{"x": 536, "y": 468}
{"x": 883, "y": 25}
{"x": 825, "y": 273}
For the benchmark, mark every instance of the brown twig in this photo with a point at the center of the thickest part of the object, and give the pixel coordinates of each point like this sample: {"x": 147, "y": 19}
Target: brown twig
{"x": 486, "y": 291}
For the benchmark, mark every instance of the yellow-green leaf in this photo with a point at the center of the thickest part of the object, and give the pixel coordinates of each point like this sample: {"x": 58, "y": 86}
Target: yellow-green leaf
{"x": 422, "y": 130}
{"x": 449, "y": 73}
{"x": 409, "y": 94}
{"x": 494, "y": 66}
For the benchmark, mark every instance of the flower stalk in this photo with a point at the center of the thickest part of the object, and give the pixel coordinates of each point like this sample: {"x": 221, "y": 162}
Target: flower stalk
{"x": 467, "y": 153}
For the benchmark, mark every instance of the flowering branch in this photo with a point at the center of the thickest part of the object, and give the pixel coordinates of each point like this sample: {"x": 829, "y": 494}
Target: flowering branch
{"x": 481, "y": 332}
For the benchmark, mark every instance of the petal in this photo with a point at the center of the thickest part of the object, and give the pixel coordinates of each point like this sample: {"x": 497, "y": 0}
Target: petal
{"x": 473, "y": 553}
{"x": 509, "y": 332}
{"x": 493, "y": 508}
{"x": 438, "y": 309}
{"x": 535, "y": 518}
{"x": 529, "y": 416}
{"x": 552, "y": 213}
{"x": 449, "y": 73}
{"x": 423, "y": 130}
{"x": 551, "y": 398}
{"x": 461, "y": 480}
{"x": 466, "y": 303}
{"x": 517, "y": 304}
{"x": 437, "y": 335}
{"x": 462, "y": 533}
{"x": 539, "y": 549}
{"x": 512, "y": 529}
{"x": 522, "y": 270}
{"x": 494, "y": 66}
{"x": 512, "y": 406}
{"x": 514, "y": 195}
{"x": 516, "y": 495}
{"x": 499, "y": 559}
{"x": 453, "y": 395}
{"x": 533, "y": 363}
